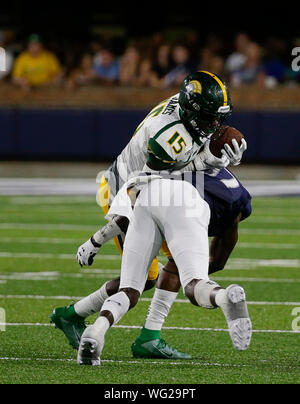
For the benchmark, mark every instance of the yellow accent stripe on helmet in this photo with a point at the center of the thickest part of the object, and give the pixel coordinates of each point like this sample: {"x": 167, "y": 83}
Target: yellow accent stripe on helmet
{"x": 220, "y": 84}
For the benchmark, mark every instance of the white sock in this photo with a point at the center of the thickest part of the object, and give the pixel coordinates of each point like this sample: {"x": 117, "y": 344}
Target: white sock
{"x": 221, "y": 298}
{"x": 159, "y": 309}
{"x": 202, "y": 293}
{"x": 92, "y": 303}
{"x": 109, "y": 231}
{"x": 117, "y": 304}
{"x": 101, "y": 325}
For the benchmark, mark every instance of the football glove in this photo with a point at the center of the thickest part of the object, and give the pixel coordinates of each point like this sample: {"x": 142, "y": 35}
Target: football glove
{"x": 86, "y": 252}
{"x": 234, "y": 155}
{"x": 212, "y": 161}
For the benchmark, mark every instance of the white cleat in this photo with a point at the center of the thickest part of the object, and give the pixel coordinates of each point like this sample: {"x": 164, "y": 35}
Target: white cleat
{"x": 90, "y": 348}
{"x": 237, "y": 316}
{"x": 89, "y": 352}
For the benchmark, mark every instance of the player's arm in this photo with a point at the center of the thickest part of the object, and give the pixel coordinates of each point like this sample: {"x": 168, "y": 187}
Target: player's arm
{"x": 158, "y": 159}
{"x": 87, "y": 251}
{"x": 222, "y": 246}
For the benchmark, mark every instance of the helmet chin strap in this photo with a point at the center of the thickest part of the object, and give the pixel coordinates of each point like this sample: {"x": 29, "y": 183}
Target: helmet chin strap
{"x": 205, "y": 134}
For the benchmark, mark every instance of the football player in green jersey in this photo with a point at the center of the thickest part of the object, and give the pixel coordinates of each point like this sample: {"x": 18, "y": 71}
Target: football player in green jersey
{"x": 175, "y": 135}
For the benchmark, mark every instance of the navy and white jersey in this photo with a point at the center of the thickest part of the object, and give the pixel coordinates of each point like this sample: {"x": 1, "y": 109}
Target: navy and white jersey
{"x": 227, "y": 198}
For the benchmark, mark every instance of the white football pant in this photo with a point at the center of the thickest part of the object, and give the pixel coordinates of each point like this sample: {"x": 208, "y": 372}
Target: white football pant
{"x": 172, "y": 210}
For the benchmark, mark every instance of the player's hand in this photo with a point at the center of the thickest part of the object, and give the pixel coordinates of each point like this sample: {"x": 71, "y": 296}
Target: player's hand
{"x": 86, "y": 252}
{"x": 235, "y": 155}
{"x": 212, "y": 161}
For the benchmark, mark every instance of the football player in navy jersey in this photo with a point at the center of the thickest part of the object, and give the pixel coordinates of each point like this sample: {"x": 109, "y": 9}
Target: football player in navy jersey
{"x": 229, "y": 203}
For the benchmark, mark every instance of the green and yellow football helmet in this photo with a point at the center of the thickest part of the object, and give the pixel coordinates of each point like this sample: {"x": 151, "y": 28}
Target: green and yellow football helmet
{"x": 204, "y": 102}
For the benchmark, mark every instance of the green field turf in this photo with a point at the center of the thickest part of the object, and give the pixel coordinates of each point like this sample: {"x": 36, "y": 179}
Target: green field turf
{"x": 39, "y": 237}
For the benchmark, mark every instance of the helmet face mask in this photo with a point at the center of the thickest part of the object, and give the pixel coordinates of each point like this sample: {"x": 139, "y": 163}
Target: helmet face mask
{"x": 206, "y": 124}
{"x": 205, "y": 103}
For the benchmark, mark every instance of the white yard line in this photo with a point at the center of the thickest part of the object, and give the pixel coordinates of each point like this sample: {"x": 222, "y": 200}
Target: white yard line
{"x": 55, "y": 240}
{"x": 47, "y": 226}
{"x": 78, "y": 227}
{"x": 165, "y": 328}
{"x": 131, "y": 362}
{"x": 6, "y": 254}
{"x": 41, "y": 297}
{"x": 288, "y": 212}
{"x": 273, "y": 219}
{"x": 54, "y": 277}
{"x": 96, "y": 213}
{"x": 48, "y": 186}
{"x": 262, "y": 280}
{"x": 270, "y": 232}
{"x": 276, "y": 246}
{"x": 232, "y": 262}
{"x": 100, "y": 271}
{"x": 253, "y": 262}
{"x": 52, "y": 200}
{"x": 143, "y": 299}
{"x": 51, "y": 276}
{"x": 47, "y": 240}
{"x": 39, "y": 240}
{"x": 86, "y": 186}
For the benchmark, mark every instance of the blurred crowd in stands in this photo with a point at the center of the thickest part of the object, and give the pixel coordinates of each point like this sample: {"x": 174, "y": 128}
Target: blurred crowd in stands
{"x": 153, "y": 61}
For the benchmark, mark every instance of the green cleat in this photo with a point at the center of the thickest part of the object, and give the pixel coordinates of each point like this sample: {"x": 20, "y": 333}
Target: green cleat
{"x": 72, "y": 325}
{"x": 156, "y": 348}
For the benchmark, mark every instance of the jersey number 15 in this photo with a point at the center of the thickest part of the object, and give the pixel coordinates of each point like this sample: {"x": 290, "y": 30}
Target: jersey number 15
{"x": 176, "y": 141}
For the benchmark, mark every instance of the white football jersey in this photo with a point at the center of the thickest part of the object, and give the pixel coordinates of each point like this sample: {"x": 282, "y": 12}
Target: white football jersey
{"x": 161, "y": 135}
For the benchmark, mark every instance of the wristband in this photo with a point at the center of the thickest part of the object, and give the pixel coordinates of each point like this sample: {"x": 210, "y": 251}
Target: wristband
{"x": 95, "y": 244}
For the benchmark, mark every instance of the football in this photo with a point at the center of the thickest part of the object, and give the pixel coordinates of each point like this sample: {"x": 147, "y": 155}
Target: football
{"x": 225, "y": 135}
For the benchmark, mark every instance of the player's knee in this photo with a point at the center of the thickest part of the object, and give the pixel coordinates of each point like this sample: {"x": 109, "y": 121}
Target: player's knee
{"x": 133, "y": 296}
